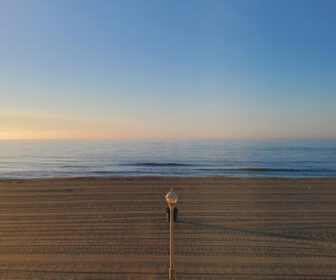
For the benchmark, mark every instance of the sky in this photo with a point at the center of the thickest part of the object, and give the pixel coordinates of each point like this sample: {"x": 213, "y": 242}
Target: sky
{"x": 167, "y": 69}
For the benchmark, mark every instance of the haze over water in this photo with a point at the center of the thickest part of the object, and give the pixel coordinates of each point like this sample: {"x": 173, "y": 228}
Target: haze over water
{"x": 246, "y": 158}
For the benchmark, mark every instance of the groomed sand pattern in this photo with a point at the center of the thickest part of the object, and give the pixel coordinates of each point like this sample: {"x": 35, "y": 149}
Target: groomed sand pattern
{"x": 115, "y": 228}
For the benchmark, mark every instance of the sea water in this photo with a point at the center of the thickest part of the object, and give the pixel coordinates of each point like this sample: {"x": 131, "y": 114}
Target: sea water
{"x": 247, "y": 158}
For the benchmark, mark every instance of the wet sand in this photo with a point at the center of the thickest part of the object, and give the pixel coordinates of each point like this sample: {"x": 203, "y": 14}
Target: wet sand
{"x": 115, "y": 228}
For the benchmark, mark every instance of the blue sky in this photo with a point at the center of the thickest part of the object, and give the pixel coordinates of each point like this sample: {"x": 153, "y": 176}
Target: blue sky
{"x": 167, "y": 69}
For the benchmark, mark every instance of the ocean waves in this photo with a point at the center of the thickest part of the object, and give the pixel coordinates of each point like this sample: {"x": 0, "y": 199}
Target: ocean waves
{"x": 158, "y": 164}
{"x": 168, "y": 158}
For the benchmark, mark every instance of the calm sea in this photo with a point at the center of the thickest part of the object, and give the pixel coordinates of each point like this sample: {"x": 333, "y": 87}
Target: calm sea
{"x": 261, "y": 158}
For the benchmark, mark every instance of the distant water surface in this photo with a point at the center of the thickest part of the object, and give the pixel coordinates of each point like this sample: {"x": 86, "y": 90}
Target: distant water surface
{"x": 260, "y": 158}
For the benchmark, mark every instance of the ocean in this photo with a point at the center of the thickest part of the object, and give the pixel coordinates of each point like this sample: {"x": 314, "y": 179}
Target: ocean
{"x": 245, "y": 158}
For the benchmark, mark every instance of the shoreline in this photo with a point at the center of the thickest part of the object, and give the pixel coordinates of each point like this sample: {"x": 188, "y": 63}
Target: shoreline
{"x": 150, "y": 177}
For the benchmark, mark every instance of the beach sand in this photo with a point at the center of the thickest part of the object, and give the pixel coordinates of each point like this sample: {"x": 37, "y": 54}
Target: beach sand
{"x": 115, "y": 228}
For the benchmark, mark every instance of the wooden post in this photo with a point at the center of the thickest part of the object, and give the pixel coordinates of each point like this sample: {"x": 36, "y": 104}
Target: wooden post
{"x": 171, "y": 269}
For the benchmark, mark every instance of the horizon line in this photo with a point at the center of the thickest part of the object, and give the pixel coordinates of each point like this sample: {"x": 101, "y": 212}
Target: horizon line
{"x": 171, "y": 138}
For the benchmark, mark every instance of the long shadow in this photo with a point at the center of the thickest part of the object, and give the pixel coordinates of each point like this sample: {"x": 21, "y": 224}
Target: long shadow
{"x": 252, "y": 232}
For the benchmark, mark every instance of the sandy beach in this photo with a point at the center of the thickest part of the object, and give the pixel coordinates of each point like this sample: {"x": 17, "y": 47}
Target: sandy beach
{"x": 115, "y": 228}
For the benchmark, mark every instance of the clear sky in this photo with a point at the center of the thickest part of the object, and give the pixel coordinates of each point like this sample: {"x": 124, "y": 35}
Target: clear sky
{"x": 167, "y": 69}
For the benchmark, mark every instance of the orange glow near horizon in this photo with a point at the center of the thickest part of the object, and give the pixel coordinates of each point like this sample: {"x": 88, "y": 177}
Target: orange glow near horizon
{"x": 38, "y": 125}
